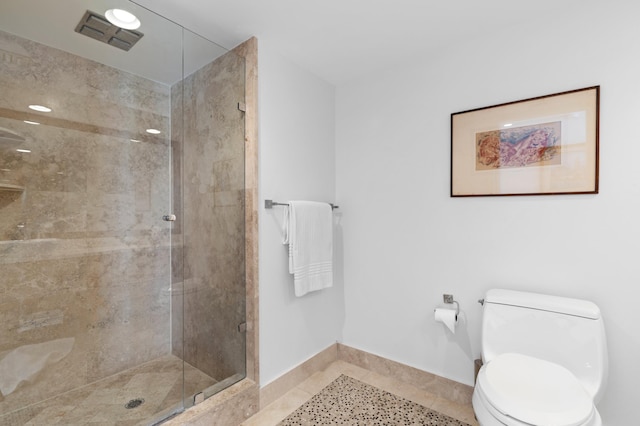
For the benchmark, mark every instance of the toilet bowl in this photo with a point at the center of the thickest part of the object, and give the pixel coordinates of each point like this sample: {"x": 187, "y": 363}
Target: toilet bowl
{"x": 516, "y": 389}
{"x": 544, "y": 359}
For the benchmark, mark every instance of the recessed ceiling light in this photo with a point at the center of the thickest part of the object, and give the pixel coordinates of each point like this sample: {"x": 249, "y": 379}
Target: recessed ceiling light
{"x": 40, "y": 108}
{"x": 23, "y": 150}
{"x": 154, "y": 131}
{"x": 508, "y": 125}
{"x": 31, "y": 122}
{"x": 134, "y": 140}
{"x": 122, "y": 18}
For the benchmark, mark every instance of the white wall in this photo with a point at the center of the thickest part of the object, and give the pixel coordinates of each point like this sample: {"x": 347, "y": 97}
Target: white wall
{"x": 297, "y": 161}
{"x": 406, "y": 242}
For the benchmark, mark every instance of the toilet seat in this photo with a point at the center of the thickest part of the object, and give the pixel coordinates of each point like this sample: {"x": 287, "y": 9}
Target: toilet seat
{"x": 553, "y": 396}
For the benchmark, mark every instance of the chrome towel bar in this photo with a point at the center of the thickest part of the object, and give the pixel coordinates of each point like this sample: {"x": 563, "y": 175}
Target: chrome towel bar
{"x": 268, "y": 204}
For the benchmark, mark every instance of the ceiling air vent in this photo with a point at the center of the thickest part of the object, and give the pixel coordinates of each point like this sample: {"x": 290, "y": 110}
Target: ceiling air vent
{"x": 97, "y": 27}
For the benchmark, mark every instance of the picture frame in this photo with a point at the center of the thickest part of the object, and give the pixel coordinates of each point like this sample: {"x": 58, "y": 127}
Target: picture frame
{"x": 539, "y": 146}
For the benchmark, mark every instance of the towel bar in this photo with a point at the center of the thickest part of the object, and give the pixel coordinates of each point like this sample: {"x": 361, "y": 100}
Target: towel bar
{"x": 268, "y": 204}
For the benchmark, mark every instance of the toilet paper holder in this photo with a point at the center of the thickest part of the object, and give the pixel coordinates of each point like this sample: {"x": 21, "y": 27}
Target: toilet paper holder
{"x": 448, "y": 298}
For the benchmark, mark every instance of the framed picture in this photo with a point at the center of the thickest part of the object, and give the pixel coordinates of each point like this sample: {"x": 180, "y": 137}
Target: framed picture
{"x": 539, "y": 146}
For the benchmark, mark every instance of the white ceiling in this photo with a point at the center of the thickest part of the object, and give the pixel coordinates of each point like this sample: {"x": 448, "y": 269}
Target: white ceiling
{"x": 157, "y": 56}
{"x": 338, "y": 40}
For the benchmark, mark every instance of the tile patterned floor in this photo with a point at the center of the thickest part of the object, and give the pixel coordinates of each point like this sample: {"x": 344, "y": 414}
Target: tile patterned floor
{"x": 158, "y": 382}
{"x": 275, "y": 412}
{"x": 347, "y": 401}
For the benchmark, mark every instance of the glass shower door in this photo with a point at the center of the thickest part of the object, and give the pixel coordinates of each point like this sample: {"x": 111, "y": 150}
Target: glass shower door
{"x": 211, "y": 218}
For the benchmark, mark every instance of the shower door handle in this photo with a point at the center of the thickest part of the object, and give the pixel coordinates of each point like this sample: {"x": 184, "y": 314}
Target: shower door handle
{"x": 169, "y": 218}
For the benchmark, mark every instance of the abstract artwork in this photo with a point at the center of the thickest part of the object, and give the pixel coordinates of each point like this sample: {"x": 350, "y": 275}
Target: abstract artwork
{"x": 538, "y": 146}
{"x": 518, "y": 147}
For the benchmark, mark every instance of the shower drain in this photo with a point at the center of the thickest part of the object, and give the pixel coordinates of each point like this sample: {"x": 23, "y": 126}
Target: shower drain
{"x": 134, "y": 403}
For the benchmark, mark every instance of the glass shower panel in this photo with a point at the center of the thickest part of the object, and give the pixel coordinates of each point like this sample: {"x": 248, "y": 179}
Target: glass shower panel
{"x": 107, "y": 312}
{"x": 85, "y": 257}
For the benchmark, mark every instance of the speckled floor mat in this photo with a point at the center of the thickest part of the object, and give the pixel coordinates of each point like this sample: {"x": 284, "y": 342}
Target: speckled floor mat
{"x": 347, "y": 401}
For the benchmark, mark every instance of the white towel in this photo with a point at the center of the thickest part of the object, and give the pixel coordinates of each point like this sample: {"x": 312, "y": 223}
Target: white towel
{"x": 308, "y": 229}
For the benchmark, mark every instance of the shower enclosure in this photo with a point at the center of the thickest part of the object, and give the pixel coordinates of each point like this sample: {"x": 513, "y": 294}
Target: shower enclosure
{"x": 122, "y": 241}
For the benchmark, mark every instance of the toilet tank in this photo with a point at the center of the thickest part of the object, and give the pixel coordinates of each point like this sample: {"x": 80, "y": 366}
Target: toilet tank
{"x": 568, "y": 332}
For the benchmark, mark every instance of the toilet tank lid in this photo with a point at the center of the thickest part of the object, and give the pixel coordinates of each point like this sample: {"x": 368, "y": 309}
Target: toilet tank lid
{"x": 544, "y": 302}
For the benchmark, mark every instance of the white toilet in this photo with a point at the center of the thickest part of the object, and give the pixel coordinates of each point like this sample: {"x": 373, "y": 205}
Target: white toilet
{"x": 544, "y": 361}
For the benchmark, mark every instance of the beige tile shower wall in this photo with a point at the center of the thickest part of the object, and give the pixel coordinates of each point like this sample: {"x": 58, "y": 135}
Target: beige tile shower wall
{"x": 212, "y": 171}
{"x": 249, "y": 51}
{"x": 84, "y": 256}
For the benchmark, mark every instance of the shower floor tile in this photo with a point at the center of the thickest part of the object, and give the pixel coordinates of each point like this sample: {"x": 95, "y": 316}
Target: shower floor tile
{"x": 158, "y": 383}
